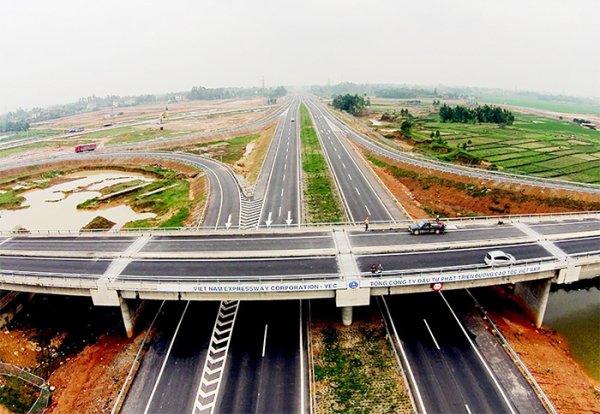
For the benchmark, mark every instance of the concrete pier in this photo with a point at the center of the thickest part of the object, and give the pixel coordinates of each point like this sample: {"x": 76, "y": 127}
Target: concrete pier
{"x": 533, "y": 297}
{"x": 347, "y": 315}
{"x": 131, "y": 310}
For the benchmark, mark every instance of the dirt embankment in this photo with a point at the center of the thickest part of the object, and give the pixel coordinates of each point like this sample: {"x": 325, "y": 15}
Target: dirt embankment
{"x": 427, "y": 192}
{"x": 545, "y": 354}
{"x": 80, "y": 349}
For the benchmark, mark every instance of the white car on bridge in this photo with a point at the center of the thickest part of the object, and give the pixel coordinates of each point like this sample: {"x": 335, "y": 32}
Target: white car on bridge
{"x": 499, "y": 258}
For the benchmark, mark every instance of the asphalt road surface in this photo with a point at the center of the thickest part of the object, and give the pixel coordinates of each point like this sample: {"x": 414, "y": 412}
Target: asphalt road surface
{"x": 359, "y": 194}
{"x": 266, "y": 368}
{"x": 451, "y": 376}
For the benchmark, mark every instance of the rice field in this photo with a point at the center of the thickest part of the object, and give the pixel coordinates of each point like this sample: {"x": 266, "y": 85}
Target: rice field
{"x": 533, "y": 145}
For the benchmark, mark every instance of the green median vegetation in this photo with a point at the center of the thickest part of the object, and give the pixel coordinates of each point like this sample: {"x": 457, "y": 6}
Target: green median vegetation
{"x": 322, "y": 204}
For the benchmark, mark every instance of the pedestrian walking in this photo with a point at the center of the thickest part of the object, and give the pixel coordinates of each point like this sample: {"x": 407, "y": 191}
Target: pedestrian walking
{"x": 437, "y": 219}
{"x": 380, "y": 268}
{"x": 373, "y": 268}
{"x": 367, "y": 225}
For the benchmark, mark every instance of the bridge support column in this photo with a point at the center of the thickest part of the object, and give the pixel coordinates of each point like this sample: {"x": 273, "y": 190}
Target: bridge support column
{"x": 347, "y": 315}
{"x": 131, "y": 310}
{"x": 533, "y": 297}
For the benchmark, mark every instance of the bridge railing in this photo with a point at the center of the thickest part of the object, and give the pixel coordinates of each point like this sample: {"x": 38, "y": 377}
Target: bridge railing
{"x": 229, "y": 280}
{"x": 458, "y": 269}
{"x": 497, "y": 219}
{"x": 68, "y": 280}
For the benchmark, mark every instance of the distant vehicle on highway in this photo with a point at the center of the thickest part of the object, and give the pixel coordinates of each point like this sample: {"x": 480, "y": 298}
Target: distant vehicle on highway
{"x": 425, "y": 226}
{"x": 86, "y": 147}
{"x": 73, "y": 130}
{"x": 107, "y": 125}
{"x": 499, "y": 258}
{"x": 293, "y": 119}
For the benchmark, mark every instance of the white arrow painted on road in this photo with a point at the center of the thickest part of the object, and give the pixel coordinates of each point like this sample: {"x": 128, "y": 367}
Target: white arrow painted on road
{"x": 289, "y": 219}
{"x": 228, "y": 224}
{"x": 269, "y": 221}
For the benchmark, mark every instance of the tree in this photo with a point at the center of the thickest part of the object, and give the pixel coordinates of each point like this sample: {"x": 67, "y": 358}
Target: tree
{"x": 406, "y": 126}
{"x": 349, "y": 103}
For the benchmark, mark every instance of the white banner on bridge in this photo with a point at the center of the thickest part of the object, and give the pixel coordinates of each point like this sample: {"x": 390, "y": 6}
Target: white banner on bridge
{"x": 250, "y": 287}
{"x": 455, "y": 277}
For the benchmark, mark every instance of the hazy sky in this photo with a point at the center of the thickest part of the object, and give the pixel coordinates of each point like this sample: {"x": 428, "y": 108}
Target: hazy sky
{"x": 58, "y": 51}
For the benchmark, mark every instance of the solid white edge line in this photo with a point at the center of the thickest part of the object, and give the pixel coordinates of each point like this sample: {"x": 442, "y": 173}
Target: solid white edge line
{"x": 265, "y": 341}
{"x": 302, "y": 408}
{"x": 480, "y": 356}
{"x": 412, "y": 377}
{"x": 166, "y": 359}
{"x": 431, "y": 333}
{"x": 467, "y": 407}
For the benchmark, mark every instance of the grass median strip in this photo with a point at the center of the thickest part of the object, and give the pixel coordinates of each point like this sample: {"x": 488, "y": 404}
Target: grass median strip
{"x": 322, "y": 204}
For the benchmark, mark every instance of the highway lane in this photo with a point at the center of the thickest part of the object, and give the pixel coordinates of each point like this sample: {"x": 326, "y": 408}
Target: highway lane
{"x": 166, "y": 269}
{"x": 432, "y": 259}
{"x": 224, "y": 207}
{"x": 74, "y": 267}
{"x": 450, "y": 375}
{"x": 73, "y": 244}
{"x": 265, "y": 371}
{"x": 359, "y": 195}
{"x": 146, "y": 377}
{"x": 175, "y": 388}
{"x": 401, "y": 236}
{"x": 241, "y": 242}
{"x": 282, "y": 195}
{"x": 579, "y": 246}
{"x": 566, "y": 226}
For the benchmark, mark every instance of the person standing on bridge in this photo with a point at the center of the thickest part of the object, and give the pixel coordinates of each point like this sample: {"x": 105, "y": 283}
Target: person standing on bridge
{"x": 373, "y": 268}
{"x": 367, "y": 224}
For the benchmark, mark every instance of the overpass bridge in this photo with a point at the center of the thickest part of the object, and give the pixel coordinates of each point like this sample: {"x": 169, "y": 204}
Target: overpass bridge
{"x": 117, "y": 269}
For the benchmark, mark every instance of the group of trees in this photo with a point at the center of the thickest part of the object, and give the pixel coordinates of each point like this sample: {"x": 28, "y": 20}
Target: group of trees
{"x": 404, "y": 93}
{"x": 209, "y": 94}
{"x": 13, "y": 126}
{"x": 350, "y": 103}
{"x": 486, "y": 113}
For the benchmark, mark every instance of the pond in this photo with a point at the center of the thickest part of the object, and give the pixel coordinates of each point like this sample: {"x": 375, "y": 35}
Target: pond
{"x": 55, "y": 208}
{"x": 574, "y": 312}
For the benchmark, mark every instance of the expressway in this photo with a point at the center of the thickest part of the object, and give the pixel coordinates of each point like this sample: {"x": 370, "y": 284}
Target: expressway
{"x": 362, "y": 196}
{"x": 261, "y": 367}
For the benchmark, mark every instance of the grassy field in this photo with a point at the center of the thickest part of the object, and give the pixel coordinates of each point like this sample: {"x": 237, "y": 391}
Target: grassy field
{"x": 533, "y": 145}
{"x": 321, "y": 199}
{"x": 229, "y": 151}
{"x": 31, "y": 134}
{"x": 127, "y": 135}
{"x": 565, "y": 107}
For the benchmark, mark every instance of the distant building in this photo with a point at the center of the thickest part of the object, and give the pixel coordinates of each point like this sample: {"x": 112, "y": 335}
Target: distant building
{"x": 91, "y": 105}
{"x": 129, "y": 102}
{"x": 178, "y": 98}
{"x": 588, "y": 125}
{"x": 115, "y": 104}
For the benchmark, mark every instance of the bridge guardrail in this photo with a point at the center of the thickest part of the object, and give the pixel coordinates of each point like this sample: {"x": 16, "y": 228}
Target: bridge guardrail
{"x": 398, "y": 225}
{"x": 456, "y": 269}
